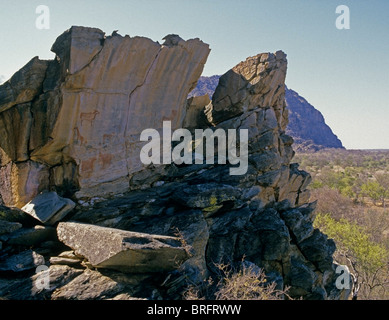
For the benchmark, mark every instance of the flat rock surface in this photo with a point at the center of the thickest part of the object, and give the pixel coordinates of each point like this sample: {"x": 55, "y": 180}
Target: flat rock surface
{"x": 122, "y": 250}
{"x": 48, "y": 207}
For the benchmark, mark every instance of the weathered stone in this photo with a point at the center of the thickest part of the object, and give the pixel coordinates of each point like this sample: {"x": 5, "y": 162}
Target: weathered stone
{"x": 273, "y": 233}
{"x": 220, "y": 249}
{"x": 77, "y": 47}
{"x": 122, "y": 250}
{"x": 192, "y": 228}
{"x": 205, "y": 195}
{"x": 49, "y": 208}
{"x": 233, "y": 221}
{"x": 15, "y": 127}
{"x": 27, "y": 288}
{"x": 31, "y": 236}
{"x": 195, "y": 116}
{"x": 15, "y": 215}
{"x": 300, "y": 228}
{"x": 266, "y": 161}
{"x": 24, "y": 85}
{"x": 63, "y": 260}
{"x": 95, "y": 70}
{"x": 302, "y": 278}
{"x": 25, "y": 260}
{"x": 21, "y": 182}
{"x": 251, "y": 84}
{"x": 64, "y": 179}
{"x": 269, "y": 179}
{"x": 8, "y": 227}
{"x": 45, "y": 109}
{"x": 318, "y": 249}
{"x": 93, "y": 285}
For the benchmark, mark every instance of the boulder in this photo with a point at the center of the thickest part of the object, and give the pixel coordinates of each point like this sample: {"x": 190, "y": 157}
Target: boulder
{"x": 122, "y": 250}
{"x": 49, "y": 208}
{"x": 257, "y": 82}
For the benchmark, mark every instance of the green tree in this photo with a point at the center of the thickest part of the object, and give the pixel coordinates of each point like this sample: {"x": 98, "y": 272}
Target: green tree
{"x": 367, "y": 259}
{"x": 383, "y": 181}
{"x": 373, "y": 190}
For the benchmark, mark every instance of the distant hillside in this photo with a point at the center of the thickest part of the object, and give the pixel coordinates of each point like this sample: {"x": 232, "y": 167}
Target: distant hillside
{"x": 205, "y": 85}
{"x": 306, "y": 124}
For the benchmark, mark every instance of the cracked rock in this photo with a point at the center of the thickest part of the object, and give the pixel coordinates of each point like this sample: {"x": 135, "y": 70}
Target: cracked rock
{"x": 125, "y": 251}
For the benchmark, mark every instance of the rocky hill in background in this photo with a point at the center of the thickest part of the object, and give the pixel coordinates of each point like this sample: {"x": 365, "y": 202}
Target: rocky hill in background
{"x": 85, "y": 218}
{"x": 306, "y": 124}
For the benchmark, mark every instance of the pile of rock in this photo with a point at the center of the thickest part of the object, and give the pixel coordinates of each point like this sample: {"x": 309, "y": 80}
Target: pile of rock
{"x": 147, "y": 231}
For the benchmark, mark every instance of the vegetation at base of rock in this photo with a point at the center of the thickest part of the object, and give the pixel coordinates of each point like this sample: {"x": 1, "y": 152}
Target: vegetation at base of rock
{"x": 243, "y": 283}
{"x": 349, "y": 186}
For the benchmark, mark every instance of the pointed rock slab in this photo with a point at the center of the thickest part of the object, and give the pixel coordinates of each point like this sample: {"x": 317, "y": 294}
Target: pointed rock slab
{"x": 49, "y": 208}
{"x": 125, "y": 251}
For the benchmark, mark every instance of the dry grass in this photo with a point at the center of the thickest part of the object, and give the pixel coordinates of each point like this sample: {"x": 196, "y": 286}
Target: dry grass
{"x": 247, "y": 283}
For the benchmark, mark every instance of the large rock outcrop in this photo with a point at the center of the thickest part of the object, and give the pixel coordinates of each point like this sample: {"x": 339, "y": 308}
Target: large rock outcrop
{"x": 76, "y": 121}
{"x": 85, "y": 120}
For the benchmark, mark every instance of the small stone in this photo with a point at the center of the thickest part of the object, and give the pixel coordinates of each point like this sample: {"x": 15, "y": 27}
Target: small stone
{"x": 65, "y": 261}
{"x": 49, "y": 208}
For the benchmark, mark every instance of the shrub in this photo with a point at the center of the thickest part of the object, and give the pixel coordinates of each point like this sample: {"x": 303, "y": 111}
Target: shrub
{"x": 246, "y": 283}
{"x": 367, "y": 259}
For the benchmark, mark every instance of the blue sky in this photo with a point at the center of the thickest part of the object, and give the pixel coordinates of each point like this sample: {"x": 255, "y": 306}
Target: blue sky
{"x": 343, "y": 73}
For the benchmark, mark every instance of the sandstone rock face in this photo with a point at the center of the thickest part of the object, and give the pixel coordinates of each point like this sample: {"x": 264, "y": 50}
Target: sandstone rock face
{"x": 89, "y": 107}
{"x": 161, "y": 227}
